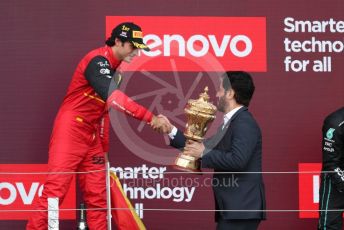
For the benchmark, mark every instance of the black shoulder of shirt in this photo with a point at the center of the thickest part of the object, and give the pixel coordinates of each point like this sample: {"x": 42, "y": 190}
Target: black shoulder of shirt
{"x": 335, "y": 119}
{"x": 99, "y": 74}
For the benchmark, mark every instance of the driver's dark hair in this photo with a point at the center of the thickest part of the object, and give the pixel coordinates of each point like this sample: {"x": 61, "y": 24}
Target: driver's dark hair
{"x": 111, "y": 40}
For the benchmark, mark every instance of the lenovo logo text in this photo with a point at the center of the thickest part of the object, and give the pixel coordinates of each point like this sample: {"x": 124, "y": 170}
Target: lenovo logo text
{"x": 198, "y": 45}
{"x": 19, "y": 191}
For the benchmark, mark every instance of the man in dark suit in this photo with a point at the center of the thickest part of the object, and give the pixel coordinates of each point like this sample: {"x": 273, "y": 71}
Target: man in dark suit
{"x": 236, "y": 147}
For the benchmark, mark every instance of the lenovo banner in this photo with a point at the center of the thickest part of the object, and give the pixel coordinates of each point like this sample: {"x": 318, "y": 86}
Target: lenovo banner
{"x": 21, "y": 185}
{"x": 182, "y": 42}
{"x": 309, "y": 184}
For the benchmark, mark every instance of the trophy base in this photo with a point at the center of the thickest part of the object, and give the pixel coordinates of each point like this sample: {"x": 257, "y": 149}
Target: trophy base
{"x": 186, "y": 169}
{"x": 187, "y": 163}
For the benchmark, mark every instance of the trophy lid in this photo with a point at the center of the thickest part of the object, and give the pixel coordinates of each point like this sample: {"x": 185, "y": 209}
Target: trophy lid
{"x": 202, "y": 104}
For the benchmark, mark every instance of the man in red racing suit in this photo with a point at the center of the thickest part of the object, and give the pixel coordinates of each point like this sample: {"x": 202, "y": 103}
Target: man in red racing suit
{"x": 79, "y": 138}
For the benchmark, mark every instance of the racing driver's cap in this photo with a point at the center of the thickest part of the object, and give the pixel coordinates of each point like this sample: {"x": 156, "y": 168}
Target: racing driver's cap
{"x": 128, "y": 31}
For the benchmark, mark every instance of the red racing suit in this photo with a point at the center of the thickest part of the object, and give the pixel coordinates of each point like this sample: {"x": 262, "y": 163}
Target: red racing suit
{"x": 80, "y": 135}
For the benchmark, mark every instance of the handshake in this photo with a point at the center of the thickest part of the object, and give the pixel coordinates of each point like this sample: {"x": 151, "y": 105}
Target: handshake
{"x": 161, "y": 124}
{"x": 192, "y": 148}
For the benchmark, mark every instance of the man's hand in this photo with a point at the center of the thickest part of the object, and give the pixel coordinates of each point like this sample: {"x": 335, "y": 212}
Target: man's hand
{"x": 194, "y": 148}
{"x": 161, "y": 124}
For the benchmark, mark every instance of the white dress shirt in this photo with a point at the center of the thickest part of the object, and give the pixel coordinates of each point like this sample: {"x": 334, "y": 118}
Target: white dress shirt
{"x": 229, "y": 115}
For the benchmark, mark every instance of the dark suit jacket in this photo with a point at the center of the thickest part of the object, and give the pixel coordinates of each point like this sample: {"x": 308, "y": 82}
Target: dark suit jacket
{"x": 236, "y": 148}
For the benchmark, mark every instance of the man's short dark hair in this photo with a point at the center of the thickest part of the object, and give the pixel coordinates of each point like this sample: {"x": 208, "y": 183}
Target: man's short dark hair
{"x": 242, "y": 84}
